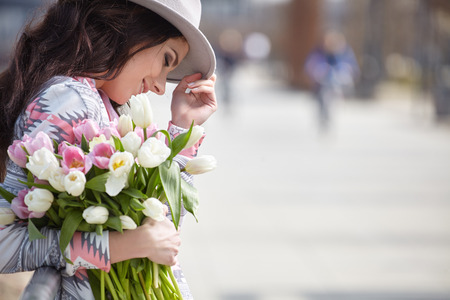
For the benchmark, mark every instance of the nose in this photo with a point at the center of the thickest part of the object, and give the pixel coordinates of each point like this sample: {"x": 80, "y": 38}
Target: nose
{"x": 159, "y": 87}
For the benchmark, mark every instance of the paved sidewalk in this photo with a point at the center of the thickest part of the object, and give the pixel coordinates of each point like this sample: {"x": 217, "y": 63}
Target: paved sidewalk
{"x": 362, "y": 213}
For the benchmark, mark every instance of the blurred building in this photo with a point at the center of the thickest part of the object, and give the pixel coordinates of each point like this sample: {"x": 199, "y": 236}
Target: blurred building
{"x": 404, "y": 40}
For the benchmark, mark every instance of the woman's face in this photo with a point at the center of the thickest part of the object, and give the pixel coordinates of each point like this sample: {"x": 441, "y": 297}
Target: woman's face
{"x": 146, "y": 71}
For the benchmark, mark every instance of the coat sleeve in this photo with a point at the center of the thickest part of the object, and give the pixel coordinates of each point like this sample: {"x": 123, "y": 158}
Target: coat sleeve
{"x": 55, "y": 112}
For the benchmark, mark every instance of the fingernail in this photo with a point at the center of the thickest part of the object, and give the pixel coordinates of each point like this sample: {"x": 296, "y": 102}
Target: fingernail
{"x": 191, "y": 83}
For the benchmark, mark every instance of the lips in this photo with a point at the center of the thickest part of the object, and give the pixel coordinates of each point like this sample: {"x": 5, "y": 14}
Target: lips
{"x": 144, "y": 87}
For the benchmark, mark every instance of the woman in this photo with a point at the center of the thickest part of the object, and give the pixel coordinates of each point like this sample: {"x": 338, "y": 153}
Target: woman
{"x": 84, "y": 60}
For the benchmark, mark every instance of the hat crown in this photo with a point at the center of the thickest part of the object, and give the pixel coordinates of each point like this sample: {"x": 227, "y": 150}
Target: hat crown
{"x": 188, "y": 9}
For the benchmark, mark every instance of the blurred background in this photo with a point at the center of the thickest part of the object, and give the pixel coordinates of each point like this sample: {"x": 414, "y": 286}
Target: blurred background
{"x": 333, "y": 143}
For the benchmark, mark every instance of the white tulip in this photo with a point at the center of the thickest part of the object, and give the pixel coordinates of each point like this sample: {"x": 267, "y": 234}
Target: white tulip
{"x": 141, "y": 111}
{"x": 152, "y": 153}
{"x": 95, "y": 215}
{"x": 125, "y": 125}
{"x": 42, "y": 163}
{"x": 201, "y": 164}
{"x": 127, "y": 223}
{"x": 100, "y": 139}
{"x": 131, "y": 142}
{"x": 196, "y": 133}
{"x": 74, "y": 183}
{"x": 7, "y": 216}
{"x": 154, "y": 209}
{"x": 56, "y": 180}
{"x": 120, "y": 165}
{"x": 39, "y": 200}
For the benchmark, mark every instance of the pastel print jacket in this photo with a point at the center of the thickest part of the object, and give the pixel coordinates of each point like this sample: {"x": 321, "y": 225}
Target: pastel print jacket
{"x": 64, "y": 102}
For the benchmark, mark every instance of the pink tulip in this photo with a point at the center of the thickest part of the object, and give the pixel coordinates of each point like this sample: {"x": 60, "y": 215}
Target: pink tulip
{"x": 21, "y": 209}
{"x": 89, "y": 128}
{"x": 110, "y": 131}
{"x": 150, "y": 130}
{"x": 74, "y": 159}
{"x": 17, "y": 154}
{"x": 101, "y": 154}
{"x": 41, "y": 140}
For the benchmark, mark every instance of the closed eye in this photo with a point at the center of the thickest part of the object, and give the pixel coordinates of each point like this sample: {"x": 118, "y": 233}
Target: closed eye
{"x": 167, "y": 60}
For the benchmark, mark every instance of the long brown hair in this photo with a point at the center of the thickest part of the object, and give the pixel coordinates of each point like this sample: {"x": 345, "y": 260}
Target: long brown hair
{"x": 74, "y": 38}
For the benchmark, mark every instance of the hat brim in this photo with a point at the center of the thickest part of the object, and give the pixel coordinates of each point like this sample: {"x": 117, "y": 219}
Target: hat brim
{"x": 200, "y": 57}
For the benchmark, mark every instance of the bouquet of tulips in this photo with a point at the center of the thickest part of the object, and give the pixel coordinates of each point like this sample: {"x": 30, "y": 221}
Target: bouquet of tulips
{"x": 111, "y": 178}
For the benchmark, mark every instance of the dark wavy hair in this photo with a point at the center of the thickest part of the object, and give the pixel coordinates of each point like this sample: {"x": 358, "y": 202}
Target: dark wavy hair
{"x": 74, "y": 38}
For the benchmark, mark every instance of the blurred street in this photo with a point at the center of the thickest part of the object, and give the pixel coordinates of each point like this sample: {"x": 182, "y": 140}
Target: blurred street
{"x": 360, "y": 213}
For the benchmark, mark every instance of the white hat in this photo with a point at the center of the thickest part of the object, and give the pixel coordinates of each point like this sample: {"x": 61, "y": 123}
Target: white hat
{"x": 185, "y": 16}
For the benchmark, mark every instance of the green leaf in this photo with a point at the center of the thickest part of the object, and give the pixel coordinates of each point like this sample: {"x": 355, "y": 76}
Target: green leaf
{"x": 141, "y": 177}
{"x": 68, "y": 228}
{"x": 152, "y": 182}
{"x": 6, "y": 195}
{"x": 86, "y": 227}
{"x": 118, "y": 143}
{"x": 94, "y": 282}
{"x": 190, "y": 198}
{"x": 114, "y": 223}
{"x": 136, "y": 204}
{"x": 134, "y": 193}
{"x": 39, "y": 185}
{"x": 180, "y": 141}
{"x": 171, "y": 182}
{"x": 98, "y": 183}
{"x": 55, "y": 145}
{"x": 124, "y": 201}
{"x": 33, "y": 232}
{"x": 84, "y": 144}
{"x": 64, "y": 203}
{"x": 131, "y": 175}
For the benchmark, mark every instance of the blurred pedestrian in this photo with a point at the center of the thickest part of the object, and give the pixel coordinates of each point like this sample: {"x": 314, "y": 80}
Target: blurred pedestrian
{"x": 332, "y": 69}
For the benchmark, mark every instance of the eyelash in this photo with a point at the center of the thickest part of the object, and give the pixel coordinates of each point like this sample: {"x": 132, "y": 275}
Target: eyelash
{"x": 166, "y": 60}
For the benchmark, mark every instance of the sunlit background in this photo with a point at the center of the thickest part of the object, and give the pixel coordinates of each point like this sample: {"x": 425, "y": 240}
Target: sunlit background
{"x": 358, "y": 209}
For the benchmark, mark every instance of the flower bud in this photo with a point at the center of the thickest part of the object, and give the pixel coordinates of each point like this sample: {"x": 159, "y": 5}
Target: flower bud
{"x": 152, "y": 153}
{"x": 7, "y": 216}
{"x": 42, "y": 163}
{"x": 125, "y": 125}
{"x": 196, "y": 133}
{"x": 95, "y": 215}
{"x": 127, "y": 223}
{"x": 74, "y": 183}
{"x": 56, "y": 179}
{"x": 201, "y": 164}
{"x": 39, "y": 200}
{"x": 131, "y": 142}
{"x": 154, "y": 209}
{"x": 141, "y": 111}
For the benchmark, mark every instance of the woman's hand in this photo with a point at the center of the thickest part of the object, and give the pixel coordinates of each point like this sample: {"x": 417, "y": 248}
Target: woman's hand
{"x": 159, "y": 241}
{"x": 198, "y": 105}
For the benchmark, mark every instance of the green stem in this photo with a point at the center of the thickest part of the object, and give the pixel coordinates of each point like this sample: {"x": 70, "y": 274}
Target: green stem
{"x": 110, "y": 286}
{"x": 116, "y": 281}
{"x": 175, "y": 283}
{"x": 159, "y": 294}
{"x": 102, "y": 285}
{"x": 155, "y": 275}
{"x": 54, "y": 216}
{"x": 166, "y": 292}
{"x": 166, "y": 282}
{"x": 145, "y": 133}
{"x": 141, "y": 279}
